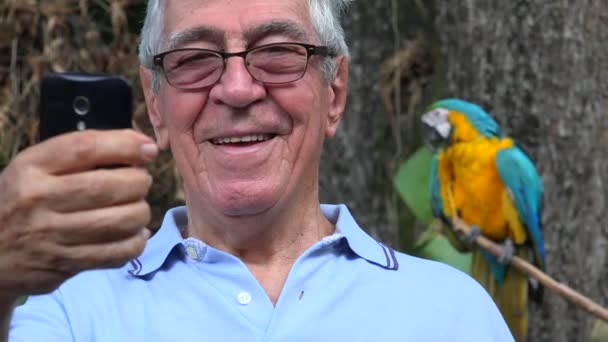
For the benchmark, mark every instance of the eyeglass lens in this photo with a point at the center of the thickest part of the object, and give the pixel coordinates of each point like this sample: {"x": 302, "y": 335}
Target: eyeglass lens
{"x": 192, "y": 68}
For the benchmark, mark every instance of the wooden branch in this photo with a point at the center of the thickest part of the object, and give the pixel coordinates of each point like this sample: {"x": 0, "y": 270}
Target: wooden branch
{"x": 525, "y": 267}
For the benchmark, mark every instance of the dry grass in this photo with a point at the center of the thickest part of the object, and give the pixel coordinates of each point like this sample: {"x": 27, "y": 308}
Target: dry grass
{"x": 403, "y": 82}
{"x": 97, "y": 36}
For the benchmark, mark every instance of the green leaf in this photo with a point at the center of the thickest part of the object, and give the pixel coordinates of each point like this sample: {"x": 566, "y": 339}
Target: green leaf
{"x": 412, "y": 184}
{"x": 435, "y": 246}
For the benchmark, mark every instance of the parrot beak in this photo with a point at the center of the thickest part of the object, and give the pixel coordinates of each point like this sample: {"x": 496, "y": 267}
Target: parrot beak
{"x": 430, "y": 136}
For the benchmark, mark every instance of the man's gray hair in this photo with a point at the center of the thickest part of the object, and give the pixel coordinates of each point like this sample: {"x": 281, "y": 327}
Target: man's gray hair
{"x": 325, "y": 15}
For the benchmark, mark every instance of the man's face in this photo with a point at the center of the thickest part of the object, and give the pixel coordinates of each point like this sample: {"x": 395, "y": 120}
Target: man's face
{"x": 243, "y": 179}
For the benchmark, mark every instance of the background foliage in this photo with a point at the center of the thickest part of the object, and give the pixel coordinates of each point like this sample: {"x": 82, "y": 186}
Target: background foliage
{"x": 96, "y": 36}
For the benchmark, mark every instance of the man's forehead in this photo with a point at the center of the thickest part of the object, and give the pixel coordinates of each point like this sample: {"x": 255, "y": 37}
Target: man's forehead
{"x": 215, "y": 20}
{"x": 288, "y": 28}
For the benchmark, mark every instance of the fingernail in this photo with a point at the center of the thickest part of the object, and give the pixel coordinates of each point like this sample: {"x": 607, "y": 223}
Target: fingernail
{"x": 149, "y": 151}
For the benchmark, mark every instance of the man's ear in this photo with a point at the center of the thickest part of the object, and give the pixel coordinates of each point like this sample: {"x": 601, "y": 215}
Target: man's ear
{"x": 337, "y": 100}
{"x": 156, "y": 118}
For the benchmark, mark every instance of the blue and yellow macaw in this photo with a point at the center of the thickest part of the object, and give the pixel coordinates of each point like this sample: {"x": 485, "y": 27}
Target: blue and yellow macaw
{"x": 487, "y": 181}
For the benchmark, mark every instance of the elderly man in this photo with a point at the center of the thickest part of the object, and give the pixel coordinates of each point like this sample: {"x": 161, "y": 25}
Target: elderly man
{"x": 243, "y": 92}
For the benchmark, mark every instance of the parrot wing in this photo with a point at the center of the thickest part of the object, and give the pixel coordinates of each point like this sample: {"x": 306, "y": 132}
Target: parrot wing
{"x": 520, "y": 178}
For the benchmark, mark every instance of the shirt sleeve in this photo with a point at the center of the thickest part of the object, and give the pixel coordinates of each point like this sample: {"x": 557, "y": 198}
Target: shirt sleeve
{"x": 41, "y": 318}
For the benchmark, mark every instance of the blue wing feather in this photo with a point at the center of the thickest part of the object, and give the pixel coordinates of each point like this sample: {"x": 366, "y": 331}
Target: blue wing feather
{"x": 436, "y": 202}
{"x": 520, "y": 177}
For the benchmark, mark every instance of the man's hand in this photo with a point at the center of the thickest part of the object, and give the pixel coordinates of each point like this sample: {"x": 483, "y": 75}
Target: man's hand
{"x": 60, "y": 213}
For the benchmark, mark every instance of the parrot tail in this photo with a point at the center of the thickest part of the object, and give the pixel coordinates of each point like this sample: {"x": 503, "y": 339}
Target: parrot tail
{"x": 511, "y": 297}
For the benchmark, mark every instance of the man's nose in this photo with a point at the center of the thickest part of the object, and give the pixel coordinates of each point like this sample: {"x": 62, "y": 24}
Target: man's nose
{"x": 237, "y": 88}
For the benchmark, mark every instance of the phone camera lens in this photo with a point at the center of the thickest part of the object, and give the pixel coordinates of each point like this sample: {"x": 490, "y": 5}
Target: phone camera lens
{"x": 81, "y": 105}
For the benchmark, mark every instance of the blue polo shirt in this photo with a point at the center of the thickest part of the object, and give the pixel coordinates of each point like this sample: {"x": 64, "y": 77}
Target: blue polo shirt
{"x": 346, "y": 287}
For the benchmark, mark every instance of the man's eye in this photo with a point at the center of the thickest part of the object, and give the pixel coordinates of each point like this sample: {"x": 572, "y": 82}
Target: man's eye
{"x": 278, "y": 49}
{"x": 282, "y": 49}
{"x": 191, "y": 58}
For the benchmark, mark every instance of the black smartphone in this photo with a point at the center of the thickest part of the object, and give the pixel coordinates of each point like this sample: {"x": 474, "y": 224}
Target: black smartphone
{"x": 79, "y": 101}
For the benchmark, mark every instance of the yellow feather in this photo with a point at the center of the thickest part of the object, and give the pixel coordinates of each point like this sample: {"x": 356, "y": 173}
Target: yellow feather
{"x": 472, "y": 189}
{"x": 471, "y": 186}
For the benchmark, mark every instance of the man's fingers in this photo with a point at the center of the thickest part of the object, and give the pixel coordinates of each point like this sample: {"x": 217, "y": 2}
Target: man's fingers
{"x": 61, "y": 213}
{"x": 101, "y": 225}
{"x": 52, "y": 247}
{"x": 99, "y": 188}
{"x": 78, "y": 151}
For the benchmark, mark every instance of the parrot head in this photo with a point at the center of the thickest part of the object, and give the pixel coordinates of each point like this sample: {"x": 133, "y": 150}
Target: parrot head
{"x": 454, "y": 120}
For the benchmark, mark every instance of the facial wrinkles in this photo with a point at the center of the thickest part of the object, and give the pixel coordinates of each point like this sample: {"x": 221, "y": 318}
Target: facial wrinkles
{"x": 201, "y": 125}
{"x": 296, "y": 151}
{"x": 270, "y": 18}
{"x": 218, "y": 38}
{"x": 314, "y": 128}
{"x": 251, "y": 117}
{"x": 275, "y": 27}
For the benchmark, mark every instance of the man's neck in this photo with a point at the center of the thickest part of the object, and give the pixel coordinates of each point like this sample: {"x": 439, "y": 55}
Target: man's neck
{"x": 268, "y": 243}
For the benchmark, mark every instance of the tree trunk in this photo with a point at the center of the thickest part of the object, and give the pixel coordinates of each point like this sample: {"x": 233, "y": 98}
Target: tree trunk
{"x": 541, "y": 69}
{"x": 353, "y": 169}
{"x": 390, "y": 78}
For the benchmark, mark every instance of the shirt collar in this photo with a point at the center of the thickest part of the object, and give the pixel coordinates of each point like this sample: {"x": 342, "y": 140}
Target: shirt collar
{"x": 358, "y": 240}
{"x": 160, "y": 246}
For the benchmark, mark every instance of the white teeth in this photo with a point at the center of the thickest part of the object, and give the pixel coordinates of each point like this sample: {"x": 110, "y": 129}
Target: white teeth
{"x": 243, "y": 139}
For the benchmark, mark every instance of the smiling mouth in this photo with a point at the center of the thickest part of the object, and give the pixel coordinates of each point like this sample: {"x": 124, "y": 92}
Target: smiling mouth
{"x": 243, "y": 140}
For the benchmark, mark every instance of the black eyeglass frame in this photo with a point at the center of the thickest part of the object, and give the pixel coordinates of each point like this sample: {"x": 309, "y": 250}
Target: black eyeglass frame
{"x": 319, "y": 50}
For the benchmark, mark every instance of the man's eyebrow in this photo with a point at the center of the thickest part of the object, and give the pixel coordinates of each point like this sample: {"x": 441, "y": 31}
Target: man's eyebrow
{"x": 196, "y": 34}
{"x": 217, "y": 37}
{"x": 282, "y": 27}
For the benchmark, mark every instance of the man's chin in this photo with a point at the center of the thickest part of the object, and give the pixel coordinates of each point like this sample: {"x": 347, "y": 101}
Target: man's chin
{"x": 249, "y": 206}
{"x": 244, "y": 212}
{"x": 239, "y": 198}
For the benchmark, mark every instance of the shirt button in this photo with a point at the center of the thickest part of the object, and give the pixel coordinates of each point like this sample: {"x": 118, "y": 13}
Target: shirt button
{"x": 244, "y": 298}
{"x": 192, "y": 252}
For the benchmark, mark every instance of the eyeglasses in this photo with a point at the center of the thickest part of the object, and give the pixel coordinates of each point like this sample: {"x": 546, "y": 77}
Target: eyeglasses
{"x": 278, "y": 63}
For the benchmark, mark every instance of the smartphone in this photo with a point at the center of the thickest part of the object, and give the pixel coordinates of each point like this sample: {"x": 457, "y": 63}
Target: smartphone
{"x": 79, "y": 101}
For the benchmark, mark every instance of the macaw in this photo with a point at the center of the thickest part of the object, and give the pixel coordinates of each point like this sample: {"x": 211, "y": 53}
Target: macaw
{"x": 485, "y": 179}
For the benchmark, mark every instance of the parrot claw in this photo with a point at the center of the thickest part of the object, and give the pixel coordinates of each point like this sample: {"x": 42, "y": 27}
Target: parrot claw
{"x": 470, "y": 237}
{"x": 508, "y": 250}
